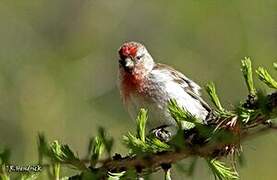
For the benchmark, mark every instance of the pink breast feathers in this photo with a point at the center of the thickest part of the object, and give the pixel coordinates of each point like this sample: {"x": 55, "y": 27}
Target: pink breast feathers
{"x": 132, "y": 83}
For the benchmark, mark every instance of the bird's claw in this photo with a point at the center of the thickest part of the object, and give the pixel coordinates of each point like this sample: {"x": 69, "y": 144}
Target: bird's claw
{"x": 162, "y": 134}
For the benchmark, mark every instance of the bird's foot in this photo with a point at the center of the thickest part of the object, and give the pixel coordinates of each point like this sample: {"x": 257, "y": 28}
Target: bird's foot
{"x": 161, "y": 133}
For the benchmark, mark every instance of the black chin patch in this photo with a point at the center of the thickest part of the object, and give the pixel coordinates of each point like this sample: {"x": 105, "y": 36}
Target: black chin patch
{"x": 123, "y": 64}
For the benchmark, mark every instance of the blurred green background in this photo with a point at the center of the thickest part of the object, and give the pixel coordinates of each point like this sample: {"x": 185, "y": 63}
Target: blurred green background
{"x": 58, "y": 65}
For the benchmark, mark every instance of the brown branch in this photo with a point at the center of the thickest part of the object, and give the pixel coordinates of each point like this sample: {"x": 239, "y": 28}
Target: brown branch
{"x": 153, "y": 162}
{"x": 216, "y": 148}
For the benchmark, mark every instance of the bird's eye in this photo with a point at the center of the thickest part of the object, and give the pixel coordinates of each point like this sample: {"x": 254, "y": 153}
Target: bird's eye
{"x": 139, "y": 57}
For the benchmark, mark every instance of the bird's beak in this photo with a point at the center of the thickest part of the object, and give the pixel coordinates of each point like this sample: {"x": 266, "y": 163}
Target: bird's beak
{"x": 128, "y": 63}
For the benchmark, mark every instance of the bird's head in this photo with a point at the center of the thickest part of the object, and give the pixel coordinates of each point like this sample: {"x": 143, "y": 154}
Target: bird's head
{"x": 134, "y": 57}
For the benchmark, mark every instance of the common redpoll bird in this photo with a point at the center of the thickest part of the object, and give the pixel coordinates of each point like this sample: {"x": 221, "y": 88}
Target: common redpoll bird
{"x": 146, "y": 84}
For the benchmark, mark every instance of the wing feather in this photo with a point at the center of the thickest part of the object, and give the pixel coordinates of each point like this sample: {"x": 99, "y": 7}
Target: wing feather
{"x": 192, "y": 88}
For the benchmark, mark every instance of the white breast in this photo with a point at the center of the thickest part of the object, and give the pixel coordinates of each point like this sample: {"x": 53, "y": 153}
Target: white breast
{"x": 161, "y": 88}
